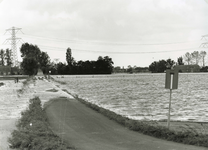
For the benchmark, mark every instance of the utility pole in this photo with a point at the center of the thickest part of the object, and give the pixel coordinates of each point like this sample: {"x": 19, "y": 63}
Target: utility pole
{"x": 13, "y": 40}
{"x": 205, "y": 44}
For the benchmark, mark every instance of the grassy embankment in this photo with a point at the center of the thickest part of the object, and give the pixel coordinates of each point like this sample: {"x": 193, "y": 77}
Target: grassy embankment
{"x": 185, "y": 135}
{"x": 33, "y": 131}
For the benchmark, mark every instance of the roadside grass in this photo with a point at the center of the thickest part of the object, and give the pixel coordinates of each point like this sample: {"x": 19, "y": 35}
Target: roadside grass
{"x": 58, "y": 81}
{"x": 25, "y": 84}
{"x": 196, "y": 127}
{"x": 33, "y": 131}
{"x": 186, "y": 135}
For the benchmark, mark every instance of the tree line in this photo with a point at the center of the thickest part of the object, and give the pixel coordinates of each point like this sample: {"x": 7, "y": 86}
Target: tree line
{"x": 5, "y": 57}
{"x": 194, "y": 58}
{"x": 34, "y": 59}
{"x": 161, "y": 65}
{"x": 103, "y": 65}
{"x": 130, "y": 69}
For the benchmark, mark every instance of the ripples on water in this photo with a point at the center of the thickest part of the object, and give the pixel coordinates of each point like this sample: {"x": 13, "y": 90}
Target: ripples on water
{"x": 143, "y": 96}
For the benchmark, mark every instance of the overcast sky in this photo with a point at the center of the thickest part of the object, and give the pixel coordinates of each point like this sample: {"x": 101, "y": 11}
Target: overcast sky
{"x": 131, "y": 32}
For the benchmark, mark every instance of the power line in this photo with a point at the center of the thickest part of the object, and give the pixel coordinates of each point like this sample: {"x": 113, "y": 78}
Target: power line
{"x": 205, "y": 44}
{"x": 50, "y": 38}
{"x": 112, "y": 52}
{"x": 115, "y": 52}
{"x": 105, "y": 43}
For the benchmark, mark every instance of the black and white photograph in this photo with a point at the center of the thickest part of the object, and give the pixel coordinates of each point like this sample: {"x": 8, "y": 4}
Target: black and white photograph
{"x": 103, "y": 74}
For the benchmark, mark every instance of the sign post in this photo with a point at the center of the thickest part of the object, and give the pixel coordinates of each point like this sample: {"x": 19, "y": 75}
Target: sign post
{"x": 171, "y": 82}
{"x": 168, "y": 124}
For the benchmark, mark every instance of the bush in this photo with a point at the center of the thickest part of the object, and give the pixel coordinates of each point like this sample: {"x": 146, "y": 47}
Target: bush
{"x": 1, "y": 84}
{"x": 33, "y": 130}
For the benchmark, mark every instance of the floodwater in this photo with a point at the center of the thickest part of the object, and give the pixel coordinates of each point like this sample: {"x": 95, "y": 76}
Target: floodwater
{"x": 143, "y": 96}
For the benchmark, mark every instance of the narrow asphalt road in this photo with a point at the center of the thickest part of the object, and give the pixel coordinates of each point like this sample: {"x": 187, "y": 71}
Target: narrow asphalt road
{"x": 88, "y": 130}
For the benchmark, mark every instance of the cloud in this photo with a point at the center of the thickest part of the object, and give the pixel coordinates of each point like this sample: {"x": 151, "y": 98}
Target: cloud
{"x": 117, "y": 21}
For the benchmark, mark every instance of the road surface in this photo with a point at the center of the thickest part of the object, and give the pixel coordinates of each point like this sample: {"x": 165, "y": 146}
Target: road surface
{"x": 86, "y": 129}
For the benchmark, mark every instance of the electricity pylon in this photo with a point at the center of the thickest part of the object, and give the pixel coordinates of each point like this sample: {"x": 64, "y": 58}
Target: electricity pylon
{"x": 13, "y": 40}
{"x": 205, "y": 44}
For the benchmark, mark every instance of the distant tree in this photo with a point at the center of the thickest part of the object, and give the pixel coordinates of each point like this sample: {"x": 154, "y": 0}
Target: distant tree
{"x": 69, "y": 56}
{"x": 109, "y": 64}
{"x": 153, "y": 67}
{"x": 204, "y": 69}
{"x": 130, "y": 69}
{"x": 103, "y": 65}
{"x": 160, "y": 66}
{"x": 99, "y": 66}
{"x": 169, "y": 63}
{"x": 31, "y": 56}
{"x": 61, "y": 68}
{"x": 44, "y": 62}
{"x": 196, "y": 57}
{"x": 8, "y": 57}
{"x": 2, "y": 57}
{"x": 53, "y": 67}
{"x": 89, "y": 67}
{"x": 78, "y": 67}
{"x": 117, "y": 69}
{"x": 70, "y": 60}
{"x": 29, "y": 65}
{"x": 203, "y": 54}
{"x": 137, "y": 69}
{"x": 180, "y": 61}
{"x": 141, "y": 69}
{"x": 188, "y": 58}
{"x": 29, "y": 50}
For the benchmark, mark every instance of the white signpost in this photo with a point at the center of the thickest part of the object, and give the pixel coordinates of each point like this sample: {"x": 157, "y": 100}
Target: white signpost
{"x": 171, "y": 82}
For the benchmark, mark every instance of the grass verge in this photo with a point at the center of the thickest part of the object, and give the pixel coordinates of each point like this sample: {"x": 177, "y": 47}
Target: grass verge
{"x": 25, "y": 84}
{"x": 33, "y": 131}
{"x": 58, "y": 81}
{"x": 151, "y": 127}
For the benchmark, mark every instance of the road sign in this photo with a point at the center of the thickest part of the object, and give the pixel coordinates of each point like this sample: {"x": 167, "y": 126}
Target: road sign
{"x": 171, "y": 79}
{"x": 171, "y": 82}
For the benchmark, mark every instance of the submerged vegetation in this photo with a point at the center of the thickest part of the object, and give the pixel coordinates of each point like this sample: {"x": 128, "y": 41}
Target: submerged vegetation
{"x": 33, "y": 131}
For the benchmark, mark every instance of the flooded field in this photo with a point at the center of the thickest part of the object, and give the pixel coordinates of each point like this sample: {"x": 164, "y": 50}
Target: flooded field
{"x": 143, "y": 96}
